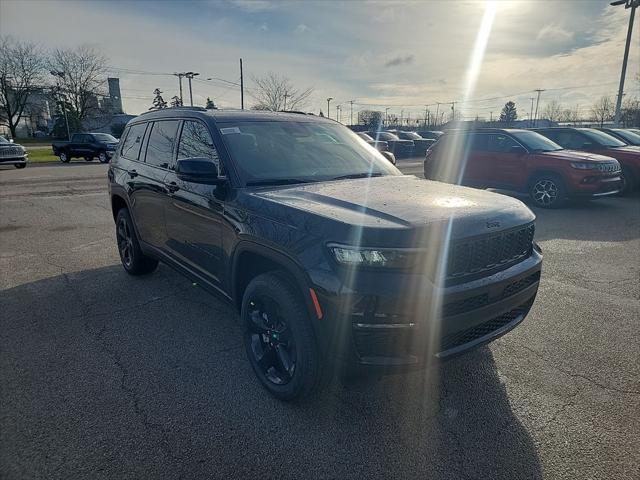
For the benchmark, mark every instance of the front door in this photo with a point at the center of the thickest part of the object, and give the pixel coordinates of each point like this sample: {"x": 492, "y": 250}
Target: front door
{"x": 507, "y": 168}
{"x": 193, "y": 212}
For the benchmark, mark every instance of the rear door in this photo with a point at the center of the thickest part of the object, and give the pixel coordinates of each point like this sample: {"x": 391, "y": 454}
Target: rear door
{"x": 477, "y": 159}
{"x": 193, "y": 212}
{"x": 148, "y": 195}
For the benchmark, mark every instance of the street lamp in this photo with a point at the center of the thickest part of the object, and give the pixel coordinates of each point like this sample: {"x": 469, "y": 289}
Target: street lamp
{"x": 189, "y": 76}
{"x": 328, "y": 111}
{"x": 632, "y": 4}
{"x": 60, "y": 74}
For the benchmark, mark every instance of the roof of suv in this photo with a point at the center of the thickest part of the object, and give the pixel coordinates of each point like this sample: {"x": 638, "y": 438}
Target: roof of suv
{"x": 230, "y": 115}
{"x": 460, "y": 131}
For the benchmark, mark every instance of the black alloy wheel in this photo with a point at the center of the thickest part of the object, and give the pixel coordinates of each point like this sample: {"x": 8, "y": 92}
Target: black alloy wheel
{"x": 133, "y": 259}
{"x": 271, "y": 342}
{"x": 125, "y": 242}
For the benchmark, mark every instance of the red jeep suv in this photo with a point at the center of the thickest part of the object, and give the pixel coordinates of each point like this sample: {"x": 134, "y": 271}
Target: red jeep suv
{"x": 522, "y": 161}
{"x": 592, "y": 140}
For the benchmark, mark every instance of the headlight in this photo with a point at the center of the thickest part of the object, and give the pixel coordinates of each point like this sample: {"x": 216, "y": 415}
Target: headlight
{"x": 373, "y": 257}
{"x": 585, "y": 165}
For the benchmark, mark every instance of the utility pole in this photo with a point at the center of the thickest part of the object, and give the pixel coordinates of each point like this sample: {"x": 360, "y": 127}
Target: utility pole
{"x": 351, "y": 103}
{"x": 180, "y": 75}
{"x": 241, "y": 87}
{"x": 338, "y": 113}
{"x": 329, "y": 111}
{"x": 453, "y": 111}
{"x": 386, "y": 116}
{"x": 426, "y": 111}
{"x": 535, "y": 117}
{"x": 531, "y": 113}
{"x": 491, "y": 117}
{"x": 437, "y": 110}
{"x": 285, "y": 100}
{"x": 632, "y": 4}
{"x": 190, "y": 76}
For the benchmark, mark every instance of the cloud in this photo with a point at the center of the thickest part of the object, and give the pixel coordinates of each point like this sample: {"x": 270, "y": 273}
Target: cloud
{"x": 253, "y": 6}
{"x": 263, "y": 28}
{"x": 399, "y": 60}
{"x": 554, "y": 33}
{"x": 301, "y": 28}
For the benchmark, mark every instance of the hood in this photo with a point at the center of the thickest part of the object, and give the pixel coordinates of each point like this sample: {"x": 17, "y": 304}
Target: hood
{"x": 627, "y": 153}
{"x": 576, "y": 156}
{"x": 401, "y": 203}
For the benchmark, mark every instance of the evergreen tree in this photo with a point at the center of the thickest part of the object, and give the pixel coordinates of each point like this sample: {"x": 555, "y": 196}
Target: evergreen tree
{"x": 158, "y": 101}
{"x": 509, "y": 113}
{"x": 210, "y": 105}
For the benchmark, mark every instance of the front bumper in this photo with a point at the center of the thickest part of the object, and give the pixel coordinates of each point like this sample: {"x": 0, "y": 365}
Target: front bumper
{"x": 14, "y": 160}
{"x": 377, "y": 327}
{"x": 595, "y": 186}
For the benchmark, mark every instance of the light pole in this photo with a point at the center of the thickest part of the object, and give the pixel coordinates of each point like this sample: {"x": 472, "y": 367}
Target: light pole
{"x": 386, "y": 116}
{"x": 351, "y": 103}
{"x": 535, "y": 116}
{"x": 531, "y": 113}
{"x": 60, "y": 74}
{"x": 328, "y": 111}
{"x": 190, "y": 76}
{"x": 632, "y": 4}
{"x": 180, "y": 75}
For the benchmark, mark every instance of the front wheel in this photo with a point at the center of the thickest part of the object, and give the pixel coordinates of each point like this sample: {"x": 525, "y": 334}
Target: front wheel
{"x": 64, "y": 158}
{"x": 133, "y": 260}
{"x": 103, "y": 158}
{"x": 279, "y": 339}
{"x": 20, "y": 165}
{"x": 547, "y": 191}
{"x": 88, "y": 159}
{"x": 628, "y": 182}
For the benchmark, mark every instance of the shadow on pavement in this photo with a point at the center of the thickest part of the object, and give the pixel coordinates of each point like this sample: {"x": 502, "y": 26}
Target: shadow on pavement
{"x": 108, "y": 376}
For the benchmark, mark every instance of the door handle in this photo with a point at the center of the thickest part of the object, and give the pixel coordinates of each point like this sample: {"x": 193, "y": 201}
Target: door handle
{"x": 132, "y": 174}
{"x": 172, "y": 187}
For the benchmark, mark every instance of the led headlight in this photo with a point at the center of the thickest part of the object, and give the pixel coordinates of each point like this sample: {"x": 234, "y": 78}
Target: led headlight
{"x": 373, "y": 257}
{"x": 585, "y": 165}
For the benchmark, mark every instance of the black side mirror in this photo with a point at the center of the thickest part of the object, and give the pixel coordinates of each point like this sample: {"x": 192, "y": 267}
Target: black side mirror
{"x": 198, "y": 170}
{"x": 389, "y": 156}
{"x": 518, "y": 150}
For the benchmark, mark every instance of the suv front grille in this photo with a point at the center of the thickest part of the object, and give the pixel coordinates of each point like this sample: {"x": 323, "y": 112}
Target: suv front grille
{"x": 11, "y": 152}
{"x": 469, "y": 257}
{"x": 609, "y": 167}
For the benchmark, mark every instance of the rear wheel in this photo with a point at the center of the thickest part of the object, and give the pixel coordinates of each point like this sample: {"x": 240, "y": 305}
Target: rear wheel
{"x": 20, "y": 165}
{"x": 88, "y": 159}
{"x": 103, "y": 158}
{"x": 64, "y": 158}
{"x": 629, "y": 182}
{"x": 547, "y": 191}
{"x": 279, "y": 338}
{"x": 133, "y": 260}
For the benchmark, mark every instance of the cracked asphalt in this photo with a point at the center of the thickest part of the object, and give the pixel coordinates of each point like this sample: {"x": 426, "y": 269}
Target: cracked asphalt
{"x": 107, "y": 376}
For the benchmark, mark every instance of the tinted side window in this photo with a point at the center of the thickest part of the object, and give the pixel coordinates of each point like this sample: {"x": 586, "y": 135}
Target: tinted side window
{"x": 501, "y": 143}
{"x": 569, "y": 139}
{"x": 195, "y": 141}
{"x": 161, "y": 144}
{"x": 480, "y": 143}
{"x": 133, "y": 141}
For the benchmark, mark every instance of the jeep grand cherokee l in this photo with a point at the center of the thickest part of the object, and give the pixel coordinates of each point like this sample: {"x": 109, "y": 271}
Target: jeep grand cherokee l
{"x": 12, "y": 154}
{"x": 333, "y": 258}
{"x": 521, "y": 161}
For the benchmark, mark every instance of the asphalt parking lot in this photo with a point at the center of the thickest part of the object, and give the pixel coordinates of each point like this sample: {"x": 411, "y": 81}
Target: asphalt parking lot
{"x": 107, "y": 376}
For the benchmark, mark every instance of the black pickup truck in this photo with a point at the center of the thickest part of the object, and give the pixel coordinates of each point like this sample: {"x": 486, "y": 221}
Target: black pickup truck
{"x": 87, "y": 146}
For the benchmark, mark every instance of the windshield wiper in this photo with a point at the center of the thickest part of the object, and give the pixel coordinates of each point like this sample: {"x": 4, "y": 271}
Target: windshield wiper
{"x": 277, "y": 181}
{"x": 357, "y": 175}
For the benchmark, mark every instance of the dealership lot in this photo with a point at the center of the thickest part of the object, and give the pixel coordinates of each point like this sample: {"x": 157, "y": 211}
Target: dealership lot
{"x": 107, "y": 376}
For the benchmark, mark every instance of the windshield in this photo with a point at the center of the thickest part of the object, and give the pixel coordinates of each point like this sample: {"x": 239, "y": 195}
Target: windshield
{"x": 630, "y": 137}
{"x": 105, "y": 137}
{"x": 410, "y": 136}
{"x": 536, "y": 142}
{"x": 297, "y": 152}
{"x": 386, "y": 136}
{"x": 3, "y": 140}
{"x": 602, "y": 139}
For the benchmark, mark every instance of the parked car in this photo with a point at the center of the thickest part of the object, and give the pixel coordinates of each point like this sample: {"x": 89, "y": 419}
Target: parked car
{"x": 627, "y": 136}
{"x": 397, "y": 146}
{"x": 521, "y": 161}
{"x": 430, "y": 134}
{"x": 592, "y": 140}
{"x": 420, "y": 144}
{"x": 327, "y": 264}
{"x": 12, "y": 153}
{"x": 87, "y": 146}
{"x": 381, "y": 146}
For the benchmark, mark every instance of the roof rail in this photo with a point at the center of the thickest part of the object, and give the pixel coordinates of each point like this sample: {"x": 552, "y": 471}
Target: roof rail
{"x": 194, "y": 108}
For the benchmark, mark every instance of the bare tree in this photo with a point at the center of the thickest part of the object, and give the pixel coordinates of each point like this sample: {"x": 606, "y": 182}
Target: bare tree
{"x": 22, "y": 68}
{"x": 80, "y": 74}
{"x": 552, "y": 111}
{"x": 603, "y": 110}
{"x": 570, "y": 115}
{"x": 630, "y": 114}
{"x": 275, "y": 92}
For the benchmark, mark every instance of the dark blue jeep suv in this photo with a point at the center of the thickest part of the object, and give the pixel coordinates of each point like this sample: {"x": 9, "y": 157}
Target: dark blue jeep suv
{"x": 333, "y": 257}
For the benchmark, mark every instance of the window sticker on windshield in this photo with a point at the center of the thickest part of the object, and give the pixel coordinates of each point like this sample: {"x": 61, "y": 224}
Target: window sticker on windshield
{"x": 228, "y": 130}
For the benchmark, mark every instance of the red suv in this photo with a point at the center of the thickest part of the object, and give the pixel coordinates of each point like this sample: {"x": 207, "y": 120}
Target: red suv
{"x": 522, "y": 161}
{"x": 592, "y": 140}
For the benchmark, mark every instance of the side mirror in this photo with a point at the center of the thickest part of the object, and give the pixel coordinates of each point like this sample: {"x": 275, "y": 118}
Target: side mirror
{"x": 389, "y": 156}
{"x": 198, "y": 170}
{"x": 518, "y": 150}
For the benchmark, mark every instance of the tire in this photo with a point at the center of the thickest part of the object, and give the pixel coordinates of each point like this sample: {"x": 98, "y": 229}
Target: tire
{"x": 133, "y": 260}
{"x": 64, "y": 157}
{"x": 547, "y": 191}
{"x": 88, "y": 159}
{"x": 279, "y": 339}
{"x": 20, "y": 165}
{"x": 103, "y": 158}
{"x": 629, "y": 182}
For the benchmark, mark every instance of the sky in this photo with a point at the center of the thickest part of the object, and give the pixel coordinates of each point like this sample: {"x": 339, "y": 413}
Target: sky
{"x": 381, "y": 54}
